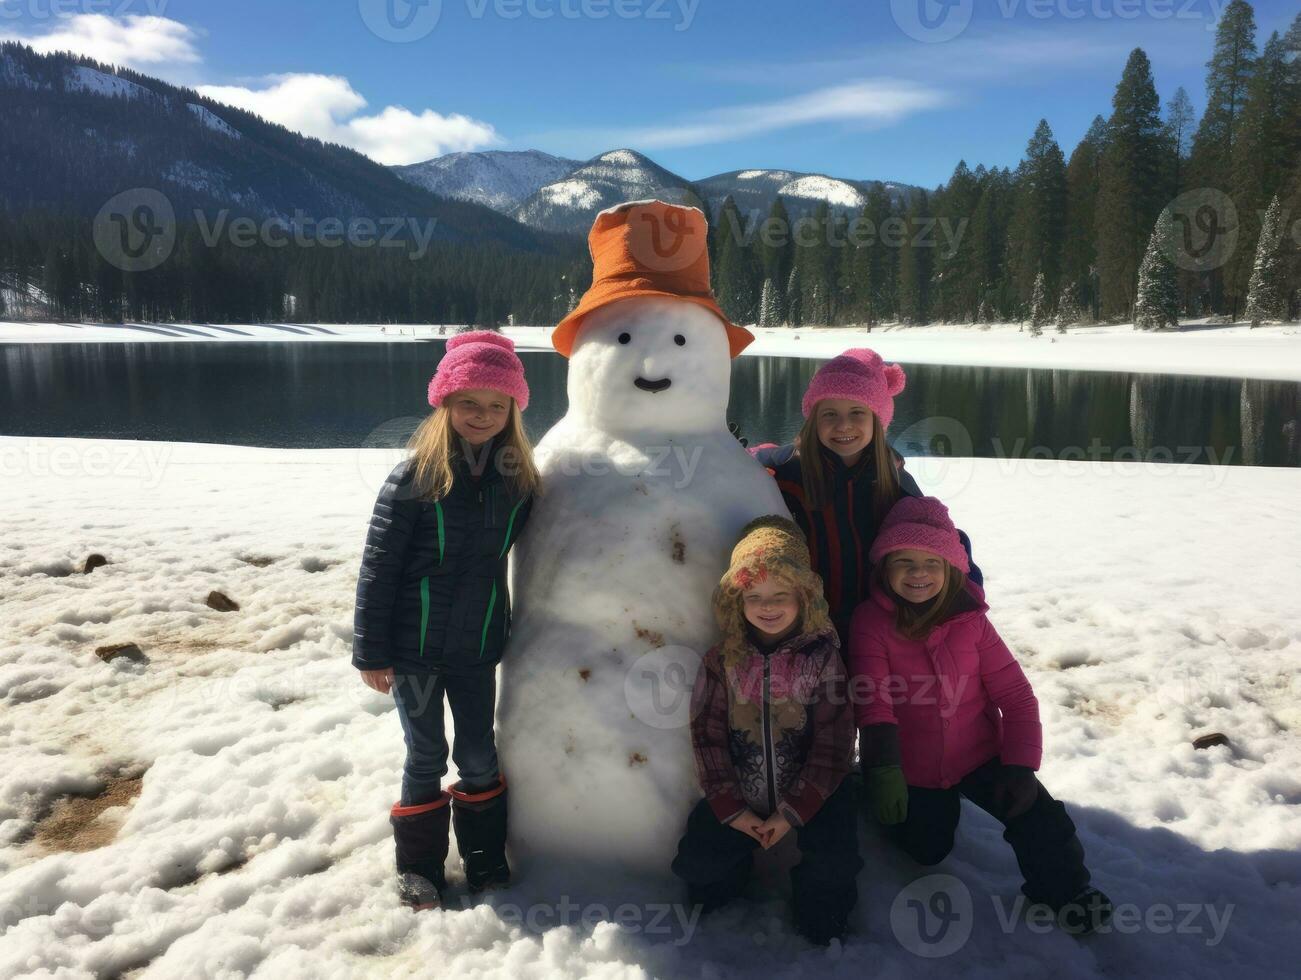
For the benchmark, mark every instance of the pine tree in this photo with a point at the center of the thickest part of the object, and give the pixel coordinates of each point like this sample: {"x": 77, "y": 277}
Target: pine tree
{"x": 1157, "y": 305}
{"x": 1039, "y": 219}
{"x": 1038, "y": 306}
{"x": 735, "y": 272}
{"x": 986, "y": 314}
{"x": 1228, "y": 74}
{"x": 1267, "y": 296}
{"x": 915, "y": 265}
{"x": 1079, "y": 249}
{"x": 956, "y": 287}
{"x": 1068, "y": 314}
{"x": 1228, "y": 78}
{"x": 794, "y": 311}
{"x": 769, "y": 305}
{"x": 1130, "y": 191}
{"x": 1179, "y": 122}
{"x": 1261, "y": 157}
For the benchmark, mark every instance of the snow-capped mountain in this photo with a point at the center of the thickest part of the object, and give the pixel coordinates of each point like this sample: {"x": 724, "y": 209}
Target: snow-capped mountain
{"x": 755, "y": 190}
{"x": 555, "y": 194}
{"x": 500, "y": 179}
{"x": 570, "y": 203}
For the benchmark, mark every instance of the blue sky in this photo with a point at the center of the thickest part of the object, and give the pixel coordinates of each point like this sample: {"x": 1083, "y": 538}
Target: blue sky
{"x": 883, "y": 89}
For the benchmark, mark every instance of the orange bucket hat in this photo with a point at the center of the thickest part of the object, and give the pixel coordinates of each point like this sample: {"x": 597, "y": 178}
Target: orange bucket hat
{"x": 648, "y": 248}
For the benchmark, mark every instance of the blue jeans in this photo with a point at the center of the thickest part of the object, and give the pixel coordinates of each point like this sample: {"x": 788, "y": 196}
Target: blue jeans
{"x": 419, "y": 699}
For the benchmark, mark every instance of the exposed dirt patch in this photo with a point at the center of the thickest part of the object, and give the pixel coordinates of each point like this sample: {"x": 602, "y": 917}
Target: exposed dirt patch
{"x": 679, "y": 546}
{"x": 93, "y": 562}
{"x": 585, "y": 673}
{"x": 636, "y": 760}
{"x": 257, "y": 561}
{"x": 73, "y": 823}
{"x": 653, "y": 637}
{"x": 121, "y": 651}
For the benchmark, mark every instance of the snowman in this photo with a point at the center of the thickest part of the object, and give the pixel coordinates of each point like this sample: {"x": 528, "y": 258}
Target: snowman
{"x": 644, "y": 494}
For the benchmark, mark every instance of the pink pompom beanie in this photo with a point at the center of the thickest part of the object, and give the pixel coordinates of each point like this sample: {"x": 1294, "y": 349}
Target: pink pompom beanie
{"x": 920, "y": 523}
{"x": 860, "y": 375}
{"x": 480, "y": 359}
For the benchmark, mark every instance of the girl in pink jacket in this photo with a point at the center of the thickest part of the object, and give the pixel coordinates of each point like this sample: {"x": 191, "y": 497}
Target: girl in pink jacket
{"x": 944, "y": 711}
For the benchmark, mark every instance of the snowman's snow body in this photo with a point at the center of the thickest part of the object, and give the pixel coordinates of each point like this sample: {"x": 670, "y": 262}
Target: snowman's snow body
{"x": 644, "y": 493}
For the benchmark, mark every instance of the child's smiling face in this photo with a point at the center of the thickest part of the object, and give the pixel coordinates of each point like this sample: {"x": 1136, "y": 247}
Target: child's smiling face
{"x": 479, "y": 414}
{"x": 915, "y": 575}
{"x": 844, "y": 427}
{"x": 771, "y": 606}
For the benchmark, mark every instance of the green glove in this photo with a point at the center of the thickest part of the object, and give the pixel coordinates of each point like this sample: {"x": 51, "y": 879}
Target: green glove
{"x": 888, "y": 793}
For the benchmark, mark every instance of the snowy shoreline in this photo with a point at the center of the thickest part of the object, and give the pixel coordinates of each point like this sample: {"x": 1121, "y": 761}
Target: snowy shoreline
{"x": 1266, "y": 353}
{"x": 259, "y": 838}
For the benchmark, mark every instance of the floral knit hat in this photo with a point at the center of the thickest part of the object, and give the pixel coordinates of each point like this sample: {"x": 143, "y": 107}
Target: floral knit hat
{"x": 769, "y": 546}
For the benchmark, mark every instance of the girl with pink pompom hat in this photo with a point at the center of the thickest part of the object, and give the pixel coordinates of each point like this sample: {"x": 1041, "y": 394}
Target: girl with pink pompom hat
{"x": 433, "y": 613}
{"x": 840, "y": 477}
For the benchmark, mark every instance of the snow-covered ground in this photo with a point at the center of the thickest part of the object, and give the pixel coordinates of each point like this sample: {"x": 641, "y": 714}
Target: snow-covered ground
{"x": 1271, "y": 353}
{"x": 1150, "y": 604}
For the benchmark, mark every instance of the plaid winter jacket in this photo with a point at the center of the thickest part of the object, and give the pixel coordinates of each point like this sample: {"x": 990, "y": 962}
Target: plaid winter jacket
{"x": 776, "y": 731}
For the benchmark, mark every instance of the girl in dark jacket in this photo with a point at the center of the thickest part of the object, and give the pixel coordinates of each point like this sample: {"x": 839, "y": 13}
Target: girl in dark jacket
{"x": 841, "y": 477}
{"x": 433, "y": 613}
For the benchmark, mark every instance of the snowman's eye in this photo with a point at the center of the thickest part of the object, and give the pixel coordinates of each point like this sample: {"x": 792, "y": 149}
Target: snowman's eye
{"x": 625, "y": 338}
{"x": 680, "y": 340}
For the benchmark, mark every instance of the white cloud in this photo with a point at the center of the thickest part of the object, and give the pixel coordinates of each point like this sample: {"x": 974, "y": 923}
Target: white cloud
{"x": 327, "y": 107}
{"x": 135, "y": 41}
{"x": 878, "y": 101}
{"x": 324, "y": 106}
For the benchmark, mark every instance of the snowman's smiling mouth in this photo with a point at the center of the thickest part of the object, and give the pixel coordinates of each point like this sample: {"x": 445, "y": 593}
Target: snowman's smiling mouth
{"x": 653, "y": 386}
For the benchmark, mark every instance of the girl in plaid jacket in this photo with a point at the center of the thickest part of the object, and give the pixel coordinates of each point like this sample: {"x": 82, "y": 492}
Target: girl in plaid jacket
{"x": 773, "y": 734}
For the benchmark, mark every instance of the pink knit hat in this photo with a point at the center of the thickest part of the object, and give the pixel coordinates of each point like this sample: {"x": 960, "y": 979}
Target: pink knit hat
{"x": 860, "y": 375}
{"x": 480, "y": 359}
{"x": 922, "y": 523}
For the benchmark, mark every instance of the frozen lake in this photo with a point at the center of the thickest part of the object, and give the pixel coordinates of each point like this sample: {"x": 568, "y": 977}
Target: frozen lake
{"x": 343, "y": 395}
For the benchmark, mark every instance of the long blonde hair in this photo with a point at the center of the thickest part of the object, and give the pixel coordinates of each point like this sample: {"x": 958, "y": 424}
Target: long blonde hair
{"x": 808, "y": 445}
{"x": 435, "y": 446}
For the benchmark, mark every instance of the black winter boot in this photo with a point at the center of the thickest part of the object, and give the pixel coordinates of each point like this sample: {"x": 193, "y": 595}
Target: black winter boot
{"x": 479, "y": 820}
{"x": 420, "y": 835}
{"x": 1085, "y": 914}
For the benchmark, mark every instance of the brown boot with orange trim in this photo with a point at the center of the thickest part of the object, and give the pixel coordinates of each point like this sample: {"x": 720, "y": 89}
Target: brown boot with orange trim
{"x": 420, "y": 833}
{"x": 479, "y": 819}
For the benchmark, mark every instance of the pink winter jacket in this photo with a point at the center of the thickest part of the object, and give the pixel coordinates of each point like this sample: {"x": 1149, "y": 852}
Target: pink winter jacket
{"x": 958, "y": 697}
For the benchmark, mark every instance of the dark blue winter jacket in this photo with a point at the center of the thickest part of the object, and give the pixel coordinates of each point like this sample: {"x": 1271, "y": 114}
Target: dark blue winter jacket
{"x": 431, "y": 595}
